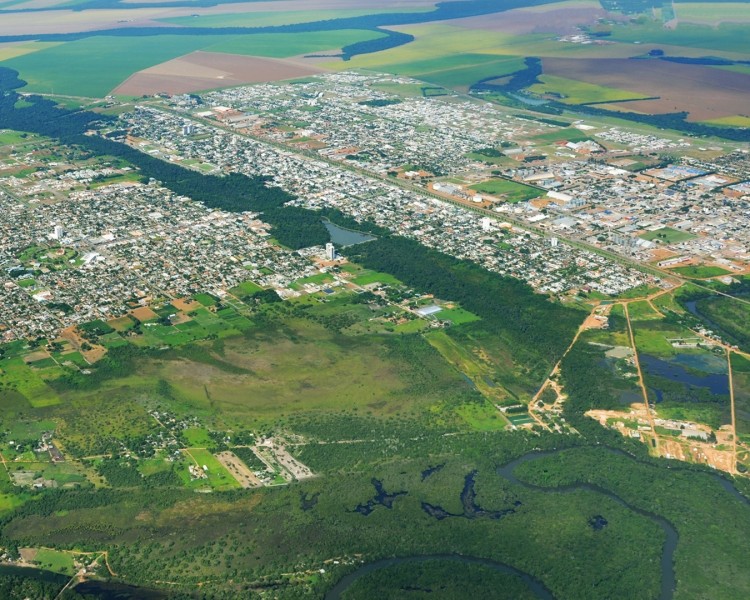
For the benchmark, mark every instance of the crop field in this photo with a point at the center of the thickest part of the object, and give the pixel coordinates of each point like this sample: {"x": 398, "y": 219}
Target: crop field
{"x": 571, "y": 91}
{"x": 713, "y": 13}
{"x": 727, "y": 38}
{"x": 270, "y": 18}
{"x": 735, "y": 121}
{"x": 510, "y": 191}
{"x": 704, "y": 92}
{"x": 95, "y": 66}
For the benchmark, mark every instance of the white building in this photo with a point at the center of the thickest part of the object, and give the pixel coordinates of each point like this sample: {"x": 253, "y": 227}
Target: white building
{"x": 330, "y": 251}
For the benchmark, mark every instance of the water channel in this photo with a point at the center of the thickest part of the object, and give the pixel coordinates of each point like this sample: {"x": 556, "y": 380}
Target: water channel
{"x": 668, "y": 579}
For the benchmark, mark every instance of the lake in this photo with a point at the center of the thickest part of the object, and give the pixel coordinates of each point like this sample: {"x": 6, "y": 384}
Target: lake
{"x": 347, "y": 237}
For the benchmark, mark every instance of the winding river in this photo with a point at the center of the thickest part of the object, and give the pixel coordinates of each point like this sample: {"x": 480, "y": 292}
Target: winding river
{"x": 346, "y": 582}
{"x": 668, "y": 580}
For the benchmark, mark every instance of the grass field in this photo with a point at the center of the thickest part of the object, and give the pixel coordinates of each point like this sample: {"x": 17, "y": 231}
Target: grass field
{"x": 726, "y": 38}
{"x": 667, "y": 235}
{"x": 572, "y": 91}
{"x": 55, "y": 560}
{"x": 218, "y": 477}
{"x": 18, "y": 376}
{"x": 510, "y": 191}
{"x": 700, "y": 271}
{"x": 642, "y": 311}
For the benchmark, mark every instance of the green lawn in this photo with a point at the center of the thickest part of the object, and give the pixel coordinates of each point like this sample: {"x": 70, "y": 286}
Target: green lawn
{"x": 510, "y": 191}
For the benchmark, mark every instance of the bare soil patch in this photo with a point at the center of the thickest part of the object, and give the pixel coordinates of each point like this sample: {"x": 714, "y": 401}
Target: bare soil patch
{"x": 237, "y": 469}
{"x": 704, "y": 92}
{"x": 207, "y": 70}
{"x": 144, "y": 313}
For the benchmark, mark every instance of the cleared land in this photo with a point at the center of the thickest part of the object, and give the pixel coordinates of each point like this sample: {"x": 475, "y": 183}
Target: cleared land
{"x": 706, "y": 93}
{"x": 206, "y": 70}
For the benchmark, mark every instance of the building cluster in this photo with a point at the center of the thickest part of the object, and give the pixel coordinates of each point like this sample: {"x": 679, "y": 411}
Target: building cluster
{"x": 503, "y": 248}
{"x": 98, "y": 253}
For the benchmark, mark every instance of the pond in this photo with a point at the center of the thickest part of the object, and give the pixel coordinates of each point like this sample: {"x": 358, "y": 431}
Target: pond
{"x": 717, "y": 383}
{"x": 347, "y": 237}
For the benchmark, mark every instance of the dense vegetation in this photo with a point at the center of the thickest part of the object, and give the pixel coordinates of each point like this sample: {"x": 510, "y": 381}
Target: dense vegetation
{"x": 530, "y": 322}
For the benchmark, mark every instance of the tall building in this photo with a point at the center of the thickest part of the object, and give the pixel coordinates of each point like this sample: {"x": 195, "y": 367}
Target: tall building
{"x": 59, "y": 232}
{"x": 330, "y": 251}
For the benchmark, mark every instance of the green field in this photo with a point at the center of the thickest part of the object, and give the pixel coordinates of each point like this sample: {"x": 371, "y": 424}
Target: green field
{"x": 510, "y": 191}
{"x": 56, "y": 561}
{"x": 727, "y": 38}
{"x": 571, "y": 91}
{"x": 667, "y": 235}
{"x": 96, "y": 65}
{"x": 700, "y": 271}
{"x": 218, "y": 477}
{"x": 16, "y": 375}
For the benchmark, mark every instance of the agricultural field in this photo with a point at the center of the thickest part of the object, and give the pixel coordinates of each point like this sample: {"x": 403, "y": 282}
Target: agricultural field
{"x": 570, "y": 91}
{"x": 270, "y": 18}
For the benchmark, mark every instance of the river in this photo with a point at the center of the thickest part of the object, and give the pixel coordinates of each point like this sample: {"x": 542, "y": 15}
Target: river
{"x": 668, "y": 579}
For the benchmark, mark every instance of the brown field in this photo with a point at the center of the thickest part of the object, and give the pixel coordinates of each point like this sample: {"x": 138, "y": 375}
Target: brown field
{"x": 521, "y": 21}
{"x": 704, "y": 92}
{"x": 144, "y": 313}
{"x": 237, "y": 469}
{"x": 207, "y": 70}
{"x": 186, "y": 304}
